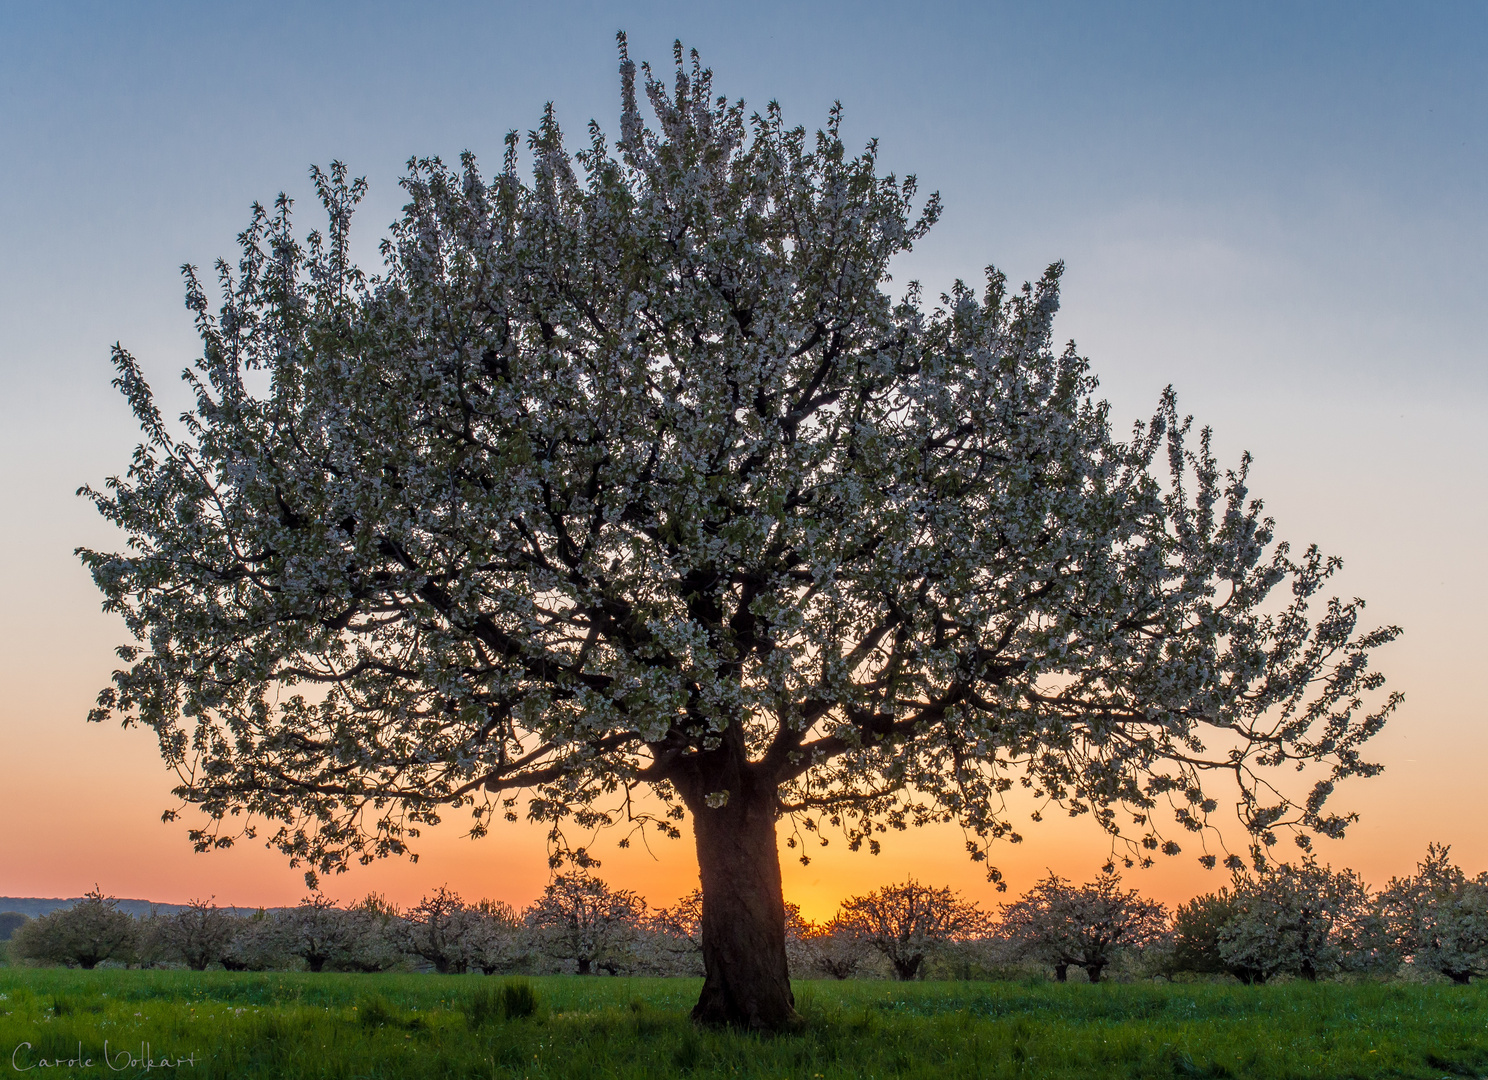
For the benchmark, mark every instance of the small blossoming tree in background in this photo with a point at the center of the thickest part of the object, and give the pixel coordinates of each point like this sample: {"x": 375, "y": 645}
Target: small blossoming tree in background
{"x": 580, "y": 919}
{"x": 907, "y": 923}
{"x": 1439, "y": 917}
{"x": 84, "y": 935}
{"x": 1086, "y": 926}
{"x": 200, "y": 935}
{"x": 1298, "y": 919}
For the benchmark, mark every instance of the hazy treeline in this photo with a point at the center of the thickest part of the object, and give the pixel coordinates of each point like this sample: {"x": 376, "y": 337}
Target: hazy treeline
{"x": 1299, "y": 920}
{"x": 33, "y": 906}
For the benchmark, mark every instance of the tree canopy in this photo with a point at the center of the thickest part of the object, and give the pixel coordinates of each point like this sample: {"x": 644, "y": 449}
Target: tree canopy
{"x": 907, "y": 923}
{"x": 1301, "y": 919}
{"x": 581, "y": 918}
{"x": 86, "y": 934}
{"x": 1087, "y": 926}
{"x": 1440, "y": 916}
{"x": 634, "y": 476}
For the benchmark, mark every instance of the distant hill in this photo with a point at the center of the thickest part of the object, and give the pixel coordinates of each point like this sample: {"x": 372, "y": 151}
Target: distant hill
{"x": 36, "y": 905}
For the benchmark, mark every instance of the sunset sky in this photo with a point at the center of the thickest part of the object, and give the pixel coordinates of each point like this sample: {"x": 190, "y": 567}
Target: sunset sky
{"x": 1280, "y": 209}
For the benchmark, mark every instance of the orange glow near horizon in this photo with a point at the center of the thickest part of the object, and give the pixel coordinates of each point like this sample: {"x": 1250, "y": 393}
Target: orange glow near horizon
{"x": 120, "y": 844}
{"x": 81, "y": 803}
{"x": 93, "y": 816}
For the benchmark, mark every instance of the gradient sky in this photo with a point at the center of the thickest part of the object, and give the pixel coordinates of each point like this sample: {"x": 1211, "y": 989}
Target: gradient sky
{"x": 1278, "y": 208}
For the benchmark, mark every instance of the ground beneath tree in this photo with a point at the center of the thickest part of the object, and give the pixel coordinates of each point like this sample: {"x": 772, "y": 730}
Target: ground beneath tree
{"x": 413, "y": 1026}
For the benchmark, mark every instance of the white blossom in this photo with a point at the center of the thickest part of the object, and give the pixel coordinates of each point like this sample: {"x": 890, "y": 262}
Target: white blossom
{"x": 1086, "y": 926}
{"x": 633, "y": 475}
{"x": 1439, "y": 917}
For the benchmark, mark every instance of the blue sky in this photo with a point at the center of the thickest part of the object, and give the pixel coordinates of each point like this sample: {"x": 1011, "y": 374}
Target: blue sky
{"x": 1279, "y": 208}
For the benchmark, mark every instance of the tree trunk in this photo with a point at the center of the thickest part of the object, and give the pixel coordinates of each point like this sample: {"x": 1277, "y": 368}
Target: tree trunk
{"x": 1461, "y": 978}
{"x": 747, "y": 979}
{"x": 906, "y": 970}
{"x": 1094, "y": 971}
{"x": 584, "y": 968}
{"x": 1061, "y": 972}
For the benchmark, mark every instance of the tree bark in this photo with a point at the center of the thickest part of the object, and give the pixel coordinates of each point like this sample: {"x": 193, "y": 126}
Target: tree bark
{"x": 1094, "y": 971}
{"x": 1061, "y": 972}
{"x": 747, "y": 979}
{"x": 906, "y": 970}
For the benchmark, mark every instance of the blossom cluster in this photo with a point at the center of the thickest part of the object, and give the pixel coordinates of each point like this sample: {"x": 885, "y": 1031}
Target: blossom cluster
{"x": 632, "y": 476}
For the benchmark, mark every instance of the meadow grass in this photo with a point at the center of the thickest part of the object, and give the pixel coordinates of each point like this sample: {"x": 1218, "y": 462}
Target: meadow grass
{"x": 412, "y": 1026}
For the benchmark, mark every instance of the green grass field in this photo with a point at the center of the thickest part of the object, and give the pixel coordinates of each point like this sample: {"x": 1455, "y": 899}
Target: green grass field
{"x": 410, "y": 1026}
